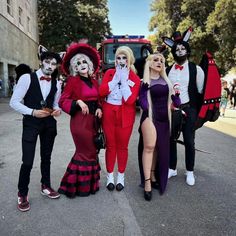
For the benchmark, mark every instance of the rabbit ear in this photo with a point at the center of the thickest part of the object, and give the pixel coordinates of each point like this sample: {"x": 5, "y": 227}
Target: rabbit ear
{"x": 169, "y": 42}
{"x": 62, "y": 54}
{"x": 187, "y": 34}
{"x": 41, "y": 49}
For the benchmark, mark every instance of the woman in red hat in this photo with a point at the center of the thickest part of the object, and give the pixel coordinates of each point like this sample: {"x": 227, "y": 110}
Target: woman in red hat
{"x": 80, "y": 100}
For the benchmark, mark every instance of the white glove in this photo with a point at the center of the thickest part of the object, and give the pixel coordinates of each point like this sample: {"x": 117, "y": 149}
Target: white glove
{"x": 123, "y": 74}
{"x": 115, "y": 80}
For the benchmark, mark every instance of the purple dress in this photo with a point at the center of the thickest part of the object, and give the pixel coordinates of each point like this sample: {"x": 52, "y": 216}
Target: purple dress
{"x": 159, "y": 92}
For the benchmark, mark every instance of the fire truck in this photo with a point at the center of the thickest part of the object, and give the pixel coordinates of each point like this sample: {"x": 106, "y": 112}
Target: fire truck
{"x": 140, "y": 46}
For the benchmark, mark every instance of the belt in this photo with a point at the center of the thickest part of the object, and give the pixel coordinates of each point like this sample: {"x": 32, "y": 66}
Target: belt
{"x": 92, "y": 105}
{"x": 185, "y": 105}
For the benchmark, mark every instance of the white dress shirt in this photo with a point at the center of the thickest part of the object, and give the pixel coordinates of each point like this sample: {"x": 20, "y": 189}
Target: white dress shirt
{"x": 182, "y": 78}
{"x": 17, "y": 99}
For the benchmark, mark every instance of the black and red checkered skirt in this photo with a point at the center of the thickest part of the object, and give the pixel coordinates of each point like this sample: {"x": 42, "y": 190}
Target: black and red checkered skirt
{"x": 81, "y": 178}
{"x": 83, "y": 172}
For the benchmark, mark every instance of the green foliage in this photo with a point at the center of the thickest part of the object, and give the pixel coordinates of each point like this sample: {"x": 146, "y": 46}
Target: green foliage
{"x": 161, "y": 21}
{"x": 95, "y": 24}
{"x": 195, "y": 13}
{"x": 213, "y": 22}
{"x": 221, "y": 24}
{"x": 62, "y": 22}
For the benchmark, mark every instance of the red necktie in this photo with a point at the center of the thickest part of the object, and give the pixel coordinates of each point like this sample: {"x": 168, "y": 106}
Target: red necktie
{"x": 178, "y": 67}
{"x": 45, "y": 78}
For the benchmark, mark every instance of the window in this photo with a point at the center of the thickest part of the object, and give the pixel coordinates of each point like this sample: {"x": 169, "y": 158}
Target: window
{"x": 9, "y": 7}
{"x": 28, "y": 24}
{"x": 110, "y": 50}
{"x": 20, "y": 15}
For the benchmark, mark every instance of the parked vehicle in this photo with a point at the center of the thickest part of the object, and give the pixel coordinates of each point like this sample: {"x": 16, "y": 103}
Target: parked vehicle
{"x": 141, "y": 48}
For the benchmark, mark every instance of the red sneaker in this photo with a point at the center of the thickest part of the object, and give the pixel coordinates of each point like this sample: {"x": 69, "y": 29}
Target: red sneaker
{"x": 23, "y": 203}
{"x": 49, "y": 192}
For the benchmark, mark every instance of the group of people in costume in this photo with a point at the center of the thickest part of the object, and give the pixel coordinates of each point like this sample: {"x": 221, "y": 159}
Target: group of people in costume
{"x": 38, "y": 97}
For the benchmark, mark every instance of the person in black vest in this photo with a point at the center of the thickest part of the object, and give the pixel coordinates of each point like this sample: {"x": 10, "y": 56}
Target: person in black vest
{"x": 190, "y": 78}
{"x": 36, "y": 97}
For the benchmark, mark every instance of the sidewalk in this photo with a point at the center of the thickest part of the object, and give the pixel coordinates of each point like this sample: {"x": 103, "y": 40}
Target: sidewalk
{"x": 226, "y": 124}
{"x": 4, "y": 105}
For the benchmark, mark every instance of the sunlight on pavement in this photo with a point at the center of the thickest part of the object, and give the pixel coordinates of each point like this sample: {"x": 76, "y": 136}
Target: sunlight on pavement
{"x": 226, "y": 125}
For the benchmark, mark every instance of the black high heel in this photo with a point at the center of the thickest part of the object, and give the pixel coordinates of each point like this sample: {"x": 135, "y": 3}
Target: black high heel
{"x": 147, "y": 194}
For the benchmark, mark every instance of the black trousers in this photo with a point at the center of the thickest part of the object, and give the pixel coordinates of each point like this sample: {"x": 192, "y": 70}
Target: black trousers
{"x": 45, "y": 128}
{"x": 189, "y": 141}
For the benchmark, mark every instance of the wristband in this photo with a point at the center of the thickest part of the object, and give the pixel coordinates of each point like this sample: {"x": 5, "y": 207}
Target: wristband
{"x": 32, "y": 113}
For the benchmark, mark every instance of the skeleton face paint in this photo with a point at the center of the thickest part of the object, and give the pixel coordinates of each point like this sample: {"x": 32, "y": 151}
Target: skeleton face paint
{"x": 157, "y": 63}
{"x": 79, "y": 65}
{"x": 180, "y": 50}
{"x": 48, "y": 66}
{"x": 121, "y": 59}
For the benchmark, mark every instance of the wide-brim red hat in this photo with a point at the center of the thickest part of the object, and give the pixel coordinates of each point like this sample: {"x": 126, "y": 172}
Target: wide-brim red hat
{"x": 83, "y": 48}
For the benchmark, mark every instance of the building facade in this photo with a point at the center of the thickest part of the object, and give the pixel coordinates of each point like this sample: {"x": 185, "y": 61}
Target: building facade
{"x": 18, "y": 41}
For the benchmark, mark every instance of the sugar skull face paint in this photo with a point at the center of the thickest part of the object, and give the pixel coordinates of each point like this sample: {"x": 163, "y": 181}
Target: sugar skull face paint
{"x": 48, "y": 66}
{"x": 79, "y": 65}
{"x": 180, "y": 50}
{"x": 157, "y": 63}
{"x": 121, "y": 59}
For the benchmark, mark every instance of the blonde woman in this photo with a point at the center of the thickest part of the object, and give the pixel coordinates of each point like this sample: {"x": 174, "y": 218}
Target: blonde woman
{"x": 120, "y": 89}
{"x": 155, "y": 101}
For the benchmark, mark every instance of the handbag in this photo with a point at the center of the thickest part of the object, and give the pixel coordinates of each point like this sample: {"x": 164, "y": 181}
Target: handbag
{"x": 99, "y": 139}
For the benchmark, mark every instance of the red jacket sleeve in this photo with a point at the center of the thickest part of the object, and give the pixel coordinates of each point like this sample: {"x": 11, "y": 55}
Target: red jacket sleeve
{"x": 104, "y": 88}
{"x": 66, "y": 100}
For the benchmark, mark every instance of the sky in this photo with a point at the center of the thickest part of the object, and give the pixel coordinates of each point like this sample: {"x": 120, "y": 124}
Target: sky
{"x": 129, "y": 16}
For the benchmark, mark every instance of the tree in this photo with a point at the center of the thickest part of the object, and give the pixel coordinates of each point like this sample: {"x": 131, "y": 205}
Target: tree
{"x": 167, "y": 15}
{"x": 95, "y": 24}
{"x": 179, "y": 15}
{"x": 221, "y": 24}
{"x": 195, "y": 14}
{"x": 56, "y": 23}
{"x": 62, "y": 22}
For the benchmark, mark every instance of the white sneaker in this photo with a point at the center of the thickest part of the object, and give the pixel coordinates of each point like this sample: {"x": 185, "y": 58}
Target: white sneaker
{"x": 110, "y": 178}
{"x": 190, "y": 179}
{"x": 172, "y": 173}
{"x": 121, "y": 179}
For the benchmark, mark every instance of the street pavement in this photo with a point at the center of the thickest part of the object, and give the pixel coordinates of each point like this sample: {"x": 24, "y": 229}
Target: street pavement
{"x": 208, "y": 208}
